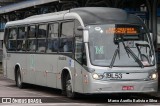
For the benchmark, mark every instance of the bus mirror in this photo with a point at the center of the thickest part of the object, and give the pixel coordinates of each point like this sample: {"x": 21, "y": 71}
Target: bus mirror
{"x": 81, "y": 28}
{"x": 85, "y": 36}
{"x": 151, "y": 36}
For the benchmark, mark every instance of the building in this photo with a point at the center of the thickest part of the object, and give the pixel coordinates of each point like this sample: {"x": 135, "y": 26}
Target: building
{"x": 148, "y": 10}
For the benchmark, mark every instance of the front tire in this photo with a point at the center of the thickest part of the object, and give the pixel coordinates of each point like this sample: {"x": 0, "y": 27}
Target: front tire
{"x": 69, "y": 90}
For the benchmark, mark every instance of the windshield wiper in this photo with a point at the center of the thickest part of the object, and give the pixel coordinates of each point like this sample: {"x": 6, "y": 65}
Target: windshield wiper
{"x": 128, "y": 51}
{"x": 134, "y": 56}
{"x": 143, "y": 45}
{"x": 114, "y": 56}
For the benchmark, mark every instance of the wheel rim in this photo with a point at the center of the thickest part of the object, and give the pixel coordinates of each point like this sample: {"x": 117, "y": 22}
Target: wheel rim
{"x": 69, "y": 88}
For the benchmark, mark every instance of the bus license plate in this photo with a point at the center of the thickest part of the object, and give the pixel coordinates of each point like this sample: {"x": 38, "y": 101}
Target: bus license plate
{"x": 114, "y": 75}
{"x": 127, "y": 87}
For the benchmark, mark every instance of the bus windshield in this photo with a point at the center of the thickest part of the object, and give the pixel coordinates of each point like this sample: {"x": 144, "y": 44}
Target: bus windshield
{"x": 120, "y": 45}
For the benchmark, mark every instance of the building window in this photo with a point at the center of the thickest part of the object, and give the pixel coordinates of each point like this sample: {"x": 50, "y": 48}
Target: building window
{"x": 158, "y": 30}
{"x": 2, "y": 25}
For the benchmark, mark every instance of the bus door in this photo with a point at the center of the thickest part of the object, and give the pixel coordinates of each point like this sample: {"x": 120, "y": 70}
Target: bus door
{"x": 78, "y": 73}
{"x": 65, "y": 48}
{"x": 51, "y": 60}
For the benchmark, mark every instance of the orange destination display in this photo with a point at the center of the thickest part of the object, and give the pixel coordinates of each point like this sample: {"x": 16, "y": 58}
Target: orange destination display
{"x": 121, "y": 30}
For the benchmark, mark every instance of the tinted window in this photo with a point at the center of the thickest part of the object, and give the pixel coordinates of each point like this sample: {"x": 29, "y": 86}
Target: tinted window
{"x": 66, "y": 39}
{"x": 22, "y": 31}
{"x": 42, "y": 31}
{"x": 12, "y": 39}
{"x": 67, "y": 29}
{"x": 31, "y": 32}
{"x": 21, "y": 39}
{"x": 53, "y": 30}
{"x": 78, "y": 43}
{"x": 12, "y": 33}
{"x": 31, "y": 41}
{"x": 31, "y": 45}
{"x": 41, "y": 37}
{"x": 78, "y": 32}
{"x": 52, "y": 45}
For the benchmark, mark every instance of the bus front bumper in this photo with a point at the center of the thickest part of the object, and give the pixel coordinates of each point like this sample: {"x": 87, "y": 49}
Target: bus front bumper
{"x": 97, "y": 87}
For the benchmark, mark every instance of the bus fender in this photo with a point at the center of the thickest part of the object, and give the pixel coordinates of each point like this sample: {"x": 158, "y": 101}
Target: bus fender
{"x": 66, "y": 68}
{"x": 17, "y": 64}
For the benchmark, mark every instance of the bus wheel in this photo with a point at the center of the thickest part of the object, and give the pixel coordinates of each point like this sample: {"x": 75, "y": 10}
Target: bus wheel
{"x": 19, "y": 79}
{"x": 69, "y": 92}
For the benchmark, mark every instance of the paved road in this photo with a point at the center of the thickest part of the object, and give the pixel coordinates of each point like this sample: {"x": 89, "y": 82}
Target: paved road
{"x": 52, "y": 97}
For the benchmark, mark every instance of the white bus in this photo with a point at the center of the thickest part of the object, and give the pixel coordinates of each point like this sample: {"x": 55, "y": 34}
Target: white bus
{"x": 90, "y": 50}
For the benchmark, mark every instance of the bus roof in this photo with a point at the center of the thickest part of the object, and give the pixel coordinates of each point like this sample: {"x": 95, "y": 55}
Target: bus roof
{"x": 89, "y": 15}
{"x": 102, "y": 15}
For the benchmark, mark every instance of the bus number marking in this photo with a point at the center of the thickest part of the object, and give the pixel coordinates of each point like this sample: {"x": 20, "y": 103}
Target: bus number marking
{"x": 62, "y": 58}
{"x": 114, "y": 75}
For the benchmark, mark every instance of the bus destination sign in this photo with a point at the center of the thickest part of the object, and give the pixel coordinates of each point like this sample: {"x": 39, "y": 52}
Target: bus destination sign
{"x": 121, "y": 30}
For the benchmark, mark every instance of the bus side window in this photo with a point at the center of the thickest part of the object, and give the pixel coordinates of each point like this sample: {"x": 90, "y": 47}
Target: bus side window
{"x": 52, "y": 45}
{"x": 32, "y": 31}
{"x": 21, "y": 39}
{"x": 41, "y": 37}
{"x": 5, "y": 41}
{"x": 66, "y": 39}
{"x": 31, "y": 39}
{"x": 12, "y": 35}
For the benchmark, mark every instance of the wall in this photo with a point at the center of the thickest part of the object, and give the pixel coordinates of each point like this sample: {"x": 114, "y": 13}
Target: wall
{"x": 158, "y": 30}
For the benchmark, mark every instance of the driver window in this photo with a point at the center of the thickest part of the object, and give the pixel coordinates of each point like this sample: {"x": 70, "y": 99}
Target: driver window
{"x": 79, "y": 52}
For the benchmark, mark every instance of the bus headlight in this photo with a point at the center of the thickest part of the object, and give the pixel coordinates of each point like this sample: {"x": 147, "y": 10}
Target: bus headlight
{"x": 97, "y": 76}
{"x": 153, "y": 76}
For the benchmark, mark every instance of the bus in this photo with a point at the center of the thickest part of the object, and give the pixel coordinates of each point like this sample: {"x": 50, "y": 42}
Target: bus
{"x": 89, "y": 50}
